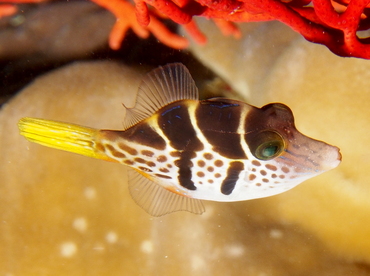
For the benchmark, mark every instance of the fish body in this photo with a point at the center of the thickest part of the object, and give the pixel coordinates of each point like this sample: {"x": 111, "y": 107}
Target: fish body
{"x": 184, "y": 150}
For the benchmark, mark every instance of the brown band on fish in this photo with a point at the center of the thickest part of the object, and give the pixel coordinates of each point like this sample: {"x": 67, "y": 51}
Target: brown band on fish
{"x": 232, "y": 177}
{"x": 147, "y": 153}
{"x": 274, "y": 116}
{"x": 219, "y": 121}
{"x": 185, "y": 164}
{"x": 115, "y": 152}
{"x": 163, "y": 176}
{"x": 100, "y": 147}
{"x": 144, "y": 134}
{"x": 176, "y": 125}
{"x": 127, "y": 149}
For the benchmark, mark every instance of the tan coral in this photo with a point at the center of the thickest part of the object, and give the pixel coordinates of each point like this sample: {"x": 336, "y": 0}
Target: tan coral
{"x": 329, "y": 97}
{"x": 63, "y": 214}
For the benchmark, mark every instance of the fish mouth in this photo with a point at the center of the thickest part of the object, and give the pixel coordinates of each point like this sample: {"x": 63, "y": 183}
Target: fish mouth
{"x": 339, "y": 154}
{"x": 311, "y": 156}
{"x": 334, "y": 158}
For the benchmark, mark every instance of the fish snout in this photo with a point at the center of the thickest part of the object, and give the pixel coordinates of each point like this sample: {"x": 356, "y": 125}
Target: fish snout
{"x": 332, "y": 159}
{"x": 310, "y": 155}
{"x": 325, "y": 157}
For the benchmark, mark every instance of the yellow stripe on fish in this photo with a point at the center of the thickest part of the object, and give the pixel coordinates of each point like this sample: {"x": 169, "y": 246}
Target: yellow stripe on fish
{"x": 184, "y": 150}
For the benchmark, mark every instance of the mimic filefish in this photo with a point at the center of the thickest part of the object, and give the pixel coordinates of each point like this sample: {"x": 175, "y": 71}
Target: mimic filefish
{"x": 184, "y": 150}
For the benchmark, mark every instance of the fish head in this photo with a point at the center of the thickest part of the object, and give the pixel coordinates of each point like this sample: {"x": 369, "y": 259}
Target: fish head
{"x": 273, "y": 139}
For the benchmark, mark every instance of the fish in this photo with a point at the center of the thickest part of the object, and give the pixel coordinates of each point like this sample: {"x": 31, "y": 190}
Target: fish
{"x": 182, "y": 150}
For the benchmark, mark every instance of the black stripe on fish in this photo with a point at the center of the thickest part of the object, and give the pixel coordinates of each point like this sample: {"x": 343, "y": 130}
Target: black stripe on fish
{"x": 174, "y": 120}
{"x": 219, "y": 121}
{"x": 228, "y": 184}
{"x": 143, "y": 134}
{"x": 184, "y": 164}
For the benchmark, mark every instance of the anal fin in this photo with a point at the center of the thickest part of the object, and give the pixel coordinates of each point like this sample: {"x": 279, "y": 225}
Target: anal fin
{"x": 156, "y": 200}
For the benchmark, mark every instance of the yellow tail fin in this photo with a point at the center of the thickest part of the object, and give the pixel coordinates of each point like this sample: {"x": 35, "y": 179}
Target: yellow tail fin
{"x": 63, "y": 136}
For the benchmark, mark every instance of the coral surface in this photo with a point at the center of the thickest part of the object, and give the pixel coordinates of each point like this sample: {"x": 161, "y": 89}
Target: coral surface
{"x": 329, "y": 97}
{"x": 64, "y": 214}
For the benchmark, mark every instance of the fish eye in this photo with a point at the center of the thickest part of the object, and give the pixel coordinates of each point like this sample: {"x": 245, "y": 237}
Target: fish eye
{"x": 267, "y": 145}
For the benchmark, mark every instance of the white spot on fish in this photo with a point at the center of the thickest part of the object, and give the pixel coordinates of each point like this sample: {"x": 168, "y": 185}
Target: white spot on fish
{"x": 111, "y": 237}
{"x": 68, "y": 249}
{"x": 80, "y": 224}
{"x": 147, "y": 247}
{"x": 276, "y": 234}
{"x": 90, "y": 193}
{"x": 234, "y": 250}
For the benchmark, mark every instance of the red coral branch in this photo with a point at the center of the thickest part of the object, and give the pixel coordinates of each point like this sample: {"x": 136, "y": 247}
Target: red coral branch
{"x": 142, "y": 13}
{"x": 334, "y": 23}
{"x": 8, "y": 9}
{"x": 171, "y": 10}
{"x": 227, "y": 27}
{"x": 320, "y": 23}
{"x": 195, "y": 33}
{"x": 126, "y": 13}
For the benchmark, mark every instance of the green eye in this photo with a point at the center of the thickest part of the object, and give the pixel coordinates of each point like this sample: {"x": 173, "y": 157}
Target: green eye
{"x": 267, "y": 145}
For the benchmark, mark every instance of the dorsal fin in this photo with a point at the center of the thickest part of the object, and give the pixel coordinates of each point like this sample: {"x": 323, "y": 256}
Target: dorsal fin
{"x": 159, "y": 88}
{"x": 156, "y": 200}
